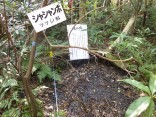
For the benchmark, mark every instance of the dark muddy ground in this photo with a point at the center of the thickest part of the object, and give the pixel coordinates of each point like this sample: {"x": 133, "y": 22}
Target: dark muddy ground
{"x": 89, "y": 89}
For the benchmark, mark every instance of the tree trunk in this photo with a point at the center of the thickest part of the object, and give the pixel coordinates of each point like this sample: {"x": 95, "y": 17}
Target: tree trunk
{"x": 26, "y": 79}
{"x": 82, "y": 10}
{"x": 145, "y": 14}
{"x": 125, "y": 30}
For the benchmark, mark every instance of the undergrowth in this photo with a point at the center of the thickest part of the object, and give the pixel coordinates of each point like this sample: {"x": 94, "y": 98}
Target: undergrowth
{"x": 143, "y": 67}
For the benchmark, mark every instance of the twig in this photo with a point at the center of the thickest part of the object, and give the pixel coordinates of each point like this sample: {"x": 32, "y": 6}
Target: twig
{"x": 8, "y": 34}
{"x": 89, "y": 13}
{"x": 84, "y": 17}
{"x": 124, "y": 68}
{"x": 91, "y": 52}
{"x": 9, "y": 54}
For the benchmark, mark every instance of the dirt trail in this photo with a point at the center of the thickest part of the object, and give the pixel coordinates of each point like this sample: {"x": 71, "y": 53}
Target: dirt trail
{"x": 89, "y": 90}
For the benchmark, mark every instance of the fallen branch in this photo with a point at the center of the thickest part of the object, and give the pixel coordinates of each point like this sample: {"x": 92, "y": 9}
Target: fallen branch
{"x": 126, "y": 30}
{"x": 90, "y": 51}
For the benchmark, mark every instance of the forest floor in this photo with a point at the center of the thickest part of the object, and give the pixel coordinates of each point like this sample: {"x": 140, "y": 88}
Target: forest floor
{"x": 88, "y": 89}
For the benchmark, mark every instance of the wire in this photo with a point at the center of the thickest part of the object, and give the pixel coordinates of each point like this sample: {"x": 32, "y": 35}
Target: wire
{"x": 55, "y": 93}
{"x": 56, "y": 98}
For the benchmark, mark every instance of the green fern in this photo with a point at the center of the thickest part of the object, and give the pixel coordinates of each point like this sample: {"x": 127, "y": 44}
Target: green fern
{"x": 152, "y": 16}
{"x": 13, "y": 112}
{"x": 45, "y": 71}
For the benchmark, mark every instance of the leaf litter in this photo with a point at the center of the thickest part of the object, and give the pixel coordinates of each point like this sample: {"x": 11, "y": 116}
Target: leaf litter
{"x": 88, "y": 89}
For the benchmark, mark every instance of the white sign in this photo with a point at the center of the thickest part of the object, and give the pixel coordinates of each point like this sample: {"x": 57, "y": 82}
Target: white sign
{"x": 46, "y": 17}
{"x": 78, "y": 37}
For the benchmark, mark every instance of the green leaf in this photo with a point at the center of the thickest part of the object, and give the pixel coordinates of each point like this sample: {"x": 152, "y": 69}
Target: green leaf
{"x": 22, "y": 33}
{"x": 10, "y": 83}
{"x": 13, "y": 112}
{"x": 137, "y": 84}
{"x": 9, "y": 103}
{"x": 115, "y": 35}
{"x": 145, "y": 71}
{"x": 152, "y": 83}
{"x": 61, "y": 113}
{"x": 3, "y": 93}
{"x": 2, "y": 104}
{"x": 26, "y": 115}
{"x": 2, "y": 43}
{"x": 41, "y": 75}
{"x": 56, "y": 76}
{"x": 138, "y": 106}
{"x": 137, "y": 39}
{"x": 150, "y": 110}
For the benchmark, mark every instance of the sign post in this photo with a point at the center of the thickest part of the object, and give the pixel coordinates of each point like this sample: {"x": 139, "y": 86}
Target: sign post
{"x": 78, "y": 37}
{"x": 46, "y": 17}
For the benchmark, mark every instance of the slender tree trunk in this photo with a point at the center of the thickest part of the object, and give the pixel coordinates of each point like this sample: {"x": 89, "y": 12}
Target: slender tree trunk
{"x": 125, "y": 30}
{"x": 72, "y": 11}
{"x": 117, "y": 3}
{"x": 121, "y": 2}
{"x": 82, "y": 10}
{"x": 145, "y": 14}
{"x": 26, "y": 79}
{"x": 130, "y": 23}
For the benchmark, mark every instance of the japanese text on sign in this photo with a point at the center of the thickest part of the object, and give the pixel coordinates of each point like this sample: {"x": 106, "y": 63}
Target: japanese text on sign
{"x": 46, "y": 17}
{"x": 78, "y": 37}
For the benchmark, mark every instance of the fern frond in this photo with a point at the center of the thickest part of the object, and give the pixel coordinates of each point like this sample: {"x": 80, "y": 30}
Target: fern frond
{"x": 45, "y": 71}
